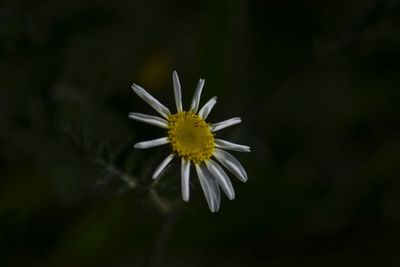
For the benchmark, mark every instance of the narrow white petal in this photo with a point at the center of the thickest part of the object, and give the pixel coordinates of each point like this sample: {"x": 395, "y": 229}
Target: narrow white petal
{"x": 162, "y": 166}
{"x": 221, "y": 178}
{"x": 209, "y": 186}
{"x": 231, "y": 163}
{"x": 153, "y": 120}
{"x": 205, "y": 110}
{"x": 177, "y": 91}
{"x": 185, "y": 174}
{"x": 152, "y": 143}
{"x": 231, "y": 146}
{"x": 149, "y": 99}
{"x": 196, "y": 97}
{"x": 224, "y": 124}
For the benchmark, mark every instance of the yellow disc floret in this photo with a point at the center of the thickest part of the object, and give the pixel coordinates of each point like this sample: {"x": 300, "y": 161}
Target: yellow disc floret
{"x": 190, "y": 136}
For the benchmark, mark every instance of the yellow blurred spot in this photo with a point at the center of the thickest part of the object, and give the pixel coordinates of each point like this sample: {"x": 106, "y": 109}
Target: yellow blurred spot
{"x": 155, "y": 71}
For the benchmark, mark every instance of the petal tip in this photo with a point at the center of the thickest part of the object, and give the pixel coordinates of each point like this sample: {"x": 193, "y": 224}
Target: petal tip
{"x": 213, "y": 210}
{"x": 246, "y": 149}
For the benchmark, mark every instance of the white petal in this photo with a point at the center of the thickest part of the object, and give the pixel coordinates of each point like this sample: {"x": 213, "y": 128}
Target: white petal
{"x": 177, "y": 91}
{"x": 152, "y": 143}
{"x": 209, "y": 186}
{"x": 162, "y": 166}
{"x": 185, "y": 174}
{"x": 226, "y": 123}
{"x": 153, "y": 120}
{"x": 196, "y": 97}
{"x": 149, "y": 99}
{"x": 205, "y": 110}
{"x": 221, "y": 178}
{"x": 231, "y": 146}
{"x": 231, "y": 163}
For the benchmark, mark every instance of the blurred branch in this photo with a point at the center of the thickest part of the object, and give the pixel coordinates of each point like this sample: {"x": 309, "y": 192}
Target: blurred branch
{"x": 115, "y": 171}
{"x": 99, "y": 155}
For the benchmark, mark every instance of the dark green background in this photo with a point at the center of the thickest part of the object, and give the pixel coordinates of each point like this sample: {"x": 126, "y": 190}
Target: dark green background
{"x": 317, "y": 84}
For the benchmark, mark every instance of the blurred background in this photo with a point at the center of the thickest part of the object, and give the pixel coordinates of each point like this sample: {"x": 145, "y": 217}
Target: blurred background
{"x": 315, "y": 82}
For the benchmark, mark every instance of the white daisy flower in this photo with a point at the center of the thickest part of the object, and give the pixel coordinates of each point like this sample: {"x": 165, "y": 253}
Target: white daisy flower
{"x": 193, "y": 140}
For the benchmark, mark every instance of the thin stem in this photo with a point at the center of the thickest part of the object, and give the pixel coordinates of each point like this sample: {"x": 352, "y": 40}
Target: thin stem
{"x": 161, "y": 242}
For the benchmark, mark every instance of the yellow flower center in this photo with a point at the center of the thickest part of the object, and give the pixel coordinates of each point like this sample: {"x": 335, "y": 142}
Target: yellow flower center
{"x": 190, "y": 136}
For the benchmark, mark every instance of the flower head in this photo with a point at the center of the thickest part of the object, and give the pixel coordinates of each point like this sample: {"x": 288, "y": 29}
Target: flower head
{"x": 193, "y": 140}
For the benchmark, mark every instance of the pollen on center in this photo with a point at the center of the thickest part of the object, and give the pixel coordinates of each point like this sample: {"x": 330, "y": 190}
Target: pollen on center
{"x": 190, "y": 136}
